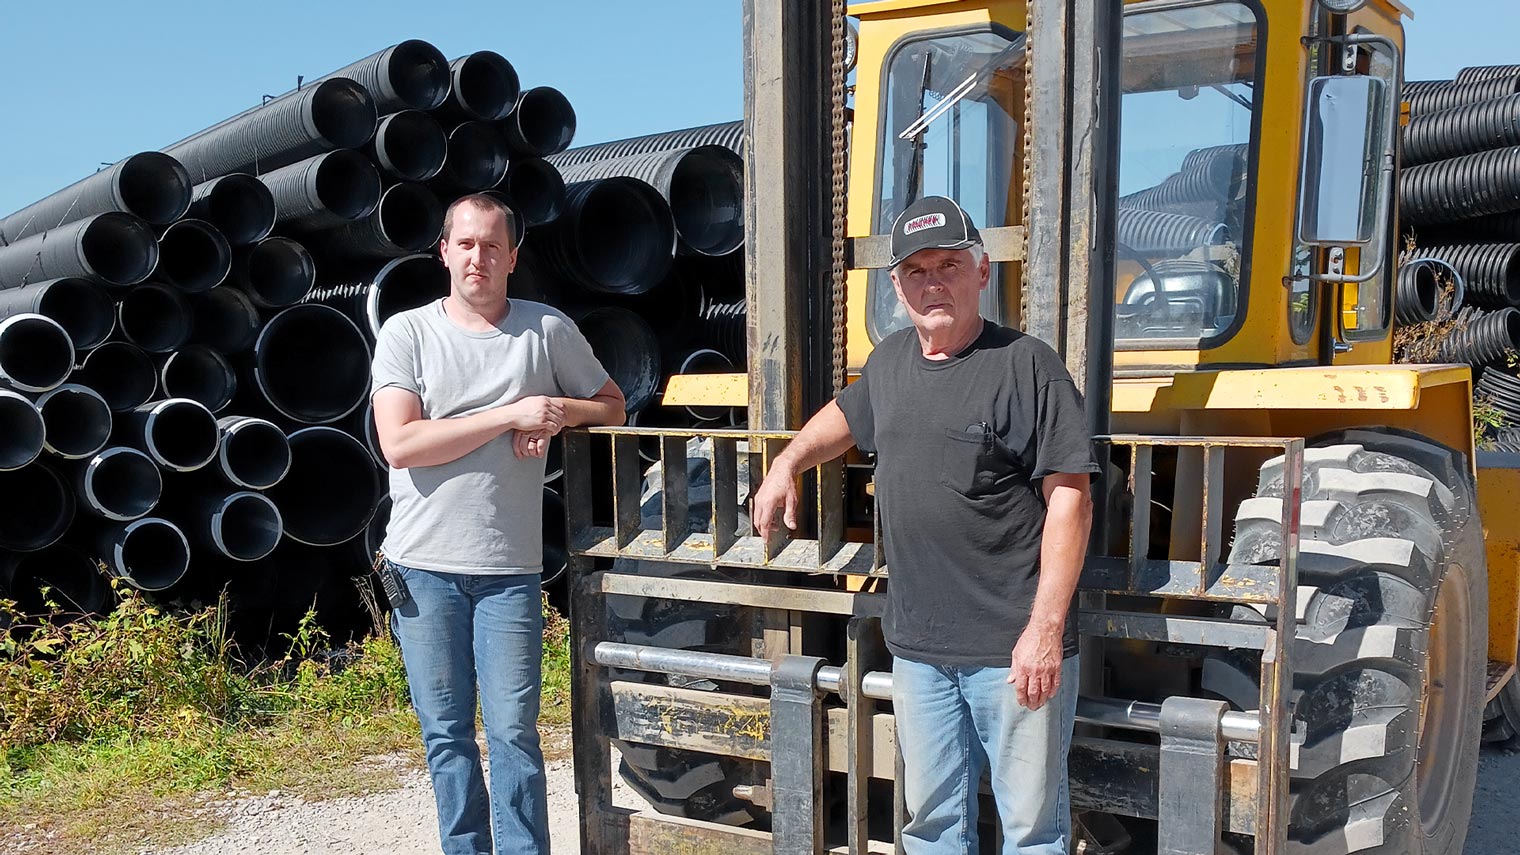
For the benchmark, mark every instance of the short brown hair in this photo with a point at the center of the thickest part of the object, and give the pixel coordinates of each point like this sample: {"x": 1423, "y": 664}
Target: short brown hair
{"x": 489, "y": 202}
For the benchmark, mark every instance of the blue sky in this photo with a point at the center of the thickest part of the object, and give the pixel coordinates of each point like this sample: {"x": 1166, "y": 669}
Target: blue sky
{"x": 92, "y": 81}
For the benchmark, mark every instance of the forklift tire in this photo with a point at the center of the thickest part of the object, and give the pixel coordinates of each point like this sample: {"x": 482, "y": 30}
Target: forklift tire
{"x": 1390, "y": 655}
{"x": 1501, "y": 719}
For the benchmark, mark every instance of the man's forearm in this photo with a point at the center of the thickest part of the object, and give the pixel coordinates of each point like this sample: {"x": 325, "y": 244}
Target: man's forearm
{"x": 432, "y": 442}
{"x": 825, "y": 436}
{"x": 597, "y": 410}
{"x": 1063, "y": 547}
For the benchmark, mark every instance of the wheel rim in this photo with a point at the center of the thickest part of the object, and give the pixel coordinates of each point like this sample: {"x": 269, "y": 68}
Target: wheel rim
{"x": 1443, "y": 710}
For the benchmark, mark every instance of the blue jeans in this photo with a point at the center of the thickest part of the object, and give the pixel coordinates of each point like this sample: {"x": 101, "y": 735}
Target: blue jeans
{"x": 457, "y": 631}
{"x": 955, "y": 722}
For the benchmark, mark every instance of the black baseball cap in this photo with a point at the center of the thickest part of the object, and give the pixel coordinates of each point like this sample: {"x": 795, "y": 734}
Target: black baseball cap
{"x": 932, "y": 222}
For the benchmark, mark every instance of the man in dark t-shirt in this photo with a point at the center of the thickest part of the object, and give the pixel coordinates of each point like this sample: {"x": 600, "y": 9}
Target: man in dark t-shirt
{"x": 982, "y": 483}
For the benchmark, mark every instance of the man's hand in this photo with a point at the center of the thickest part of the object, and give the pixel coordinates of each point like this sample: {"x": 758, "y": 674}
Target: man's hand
{"x": 1036, "y": 669}
{"x": 526, "y": 444}
{"x": 777, "y": 492}
{"x": 537, "y": 414}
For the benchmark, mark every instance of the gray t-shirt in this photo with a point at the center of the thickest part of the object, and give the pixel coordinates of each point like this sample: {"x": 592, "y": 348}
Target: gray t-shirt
{"x": 482, "y": 513}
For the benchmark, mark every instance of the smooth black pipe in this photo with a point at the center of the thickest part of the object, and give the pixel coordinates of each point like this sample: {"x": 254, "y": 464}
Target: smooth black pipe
{"x": 239, "y": 205}
{"x": 36, "y": 353}
{"x": 1417, "y": 297}
{"x": 554, "y": 460}
{"x": 71, "y": 578}
{"x": 241, "y": 525}
{"x": 363, "y": 429}
{"x": 149, "y": 185}
{"x": 1467, "y": 129}
{"x": 311, "y": 364}
{"x": 150, "y": 554}
{"x": 485, "y": 88}
{"x": 615, "y": 236}
{"x": 178, "y": 433}
{"x": 324, "y": 191}
{"x": 83, "y": 308}
{"x": 404, "y": 283}
{"x": 519, "y": 225}
{"x": 334, "y": 113}
{"x": 251, "y": 453}
{"x": 411, "y": 75}
{"x": 534, "y": 190}
{"x": 627, "y": 347}
{"x": 275, "y": 272}
{"x": 657, "y": 417}
{"x": 36, "y": 507}
{"x": 409, "y": 218}
{"x": 121, "y": 372}
{"x": 113, "y": 249}
{"x": 704, "y": 187}
{"x": 706, "y": 361}
{"x": 119, "y": 483}
{"x": 193, "y": 256}
{"x": 730, "y": 135}
{"x": 409, "y": 146}
{"x": 201, "y": 374}
{"x": 476, "y": 160}
{"x": 1490, "y": 272}
{"x": 374, "y": 531}
{"x": 332, "y": 489}
{"x": 22, "y": 431}
{"x": 556, "y": 548}
{"x": 542, "y": 123}
{"x": 155, "y": 317}
{"x": 77, "y": 420}
{"x": 224, "y": 319}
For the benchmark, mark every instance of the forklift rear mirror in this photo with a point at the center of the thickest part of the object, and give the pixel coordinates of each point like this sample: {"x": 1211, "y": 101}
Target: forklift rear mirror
{"x": 1346, "y": 121}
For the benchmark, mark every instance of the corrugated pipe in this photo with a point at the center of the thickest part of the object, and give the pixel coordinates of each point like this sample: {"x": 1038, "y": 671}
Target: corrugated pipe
{"x": 113, "y": 249}
{"x": 1444, "y": 95}
{"x": 83, "y": 308}
{"x": 1474, "y": 73}
{"x": 541, "y": 124}
{"x": 36, "y": 353}
{"x": 408, "y": 219}
{"x": 311, "y": 364}
{"x": 1473, "y": 185}
{"x": 476, "y": 160}
{"x": 150, "y": 554}
{"x": 251, "y": 453}
{"x": 409, "y": 146}
{"x": 485, "y": 88}
{"x": 201, "y": 374}
{"x": 321, "y": 116}
{"x": 1161, "y": 233}
{"x": 730, "y": 135}
{"x": 399, "y": 284}
{"x": 1483, "y": 338}
{"x": 1467, "y": 129}
{"x": 154, "y": 317}
{"x": 1417, "y": 297}
{"x": 36, "y": 508}
{"x": 1495, "y": 228}
{"x": 704, "y": 187}
{"x": 178, "y": 433}
{"x": 193, "y": 256}
{"x": 21, "y": 431}
{"x": 412, "y": 75}
{"x": 534, "y": 190}
{"x": 1214, "y": 175}
{"x": 72, "y": 578}
{"x": 76, "y": 419}
{"x": 239, "y": 205}
{"x": 275, "y": 272}
{"x": 627, "y": 347}
{"x": 241, "y": 525}
{"x": 332, "y": 489}
{"x": 615, "y": 236}
{"x": 1490, "y": 272}
{"x": 224, "y": 319}
{"x": 724, "y": 329}
{"x": 151, "y": 186}
{"x": 1500, "y": 386}
{"x": 324, "y": 191}
{"x": 119, "y": 483}
{"x": 122, "y": 373}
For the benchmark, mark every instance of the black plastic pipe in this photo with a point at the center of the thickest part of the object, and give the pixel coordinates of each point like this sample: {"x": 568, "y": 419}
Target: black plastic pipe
{"x": 374, "y": 531}
{"x": 335, "y": 113}
{"x": 150, "y": 554}
{"x": 149, "y": 185}
{"x": 542, "y": 123}
{"x": 77, "y": 420}
{"x": 239, "y": 205}
{"x": 324, "y": 191}
{"x": 224, "y": 319}
{"x": 365, "y": 432}
{"x": 1483, "y": 338}
{"x": 1417, "y": 297}
{"x": 22, "y": 431}
{"x": 1496, "y": 228}
{"x": 485, "y": 88}
{"x": 1215, "y": 175}
{"x": 408, "y": 219}
{"x": 1161, "y": 233}
{"x": 704, "y": 187}
{"x": 122, "y": 373}
{"x": 311, "y": 364}
{"x": 154, "y": 317}
{"x": 1467, "y": 129}
{"x": 615, "y": 236}
{"x": 332, "y": 489}
{"x": 705, "y": 361}
{"x": 83, "y": 308}
{"x": 241, "y": 525}
{"x": 251, "y": 453}
{"x": 275, "y": 272}
{"x": 1491, "y": 272}
{"x": 201, "y": 374}
{"x": 723, "y": 328}
{"x": 1474, "y": 73}
{"x": 1433, "y": 96}
{"x": 412, "y": 75}
{"x": 36, "y": 353}
{"x": 556, "y": 549}
{"x": 72, "y": 580}
{"x": 476, "y": 160}
{"x": 730, "y": 135}
{"x": 113, "y": 249}
{"x": 519, "y": 225}
{"x": 36, "y": 508}
{"x": 178, "y": 433}
{"x": 627, "y": 347}
{"x": 409, "y": 146}
{"x": 119, "y": 483}
{"x": 193, "y": 256}
{"x": 399, "y": 284}
{"x": 534, "y": 190}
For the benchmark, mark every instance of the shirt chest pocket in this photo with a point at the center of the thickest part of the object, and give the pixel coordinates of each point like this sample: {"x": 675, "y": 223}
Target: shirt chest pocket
{"x": 975, "y": 464}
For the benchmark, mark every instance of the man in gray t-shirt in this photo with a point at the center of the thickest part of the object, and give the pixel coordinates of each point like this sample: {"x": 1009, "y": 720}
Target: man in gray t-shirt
{"x": 467, "y": 392}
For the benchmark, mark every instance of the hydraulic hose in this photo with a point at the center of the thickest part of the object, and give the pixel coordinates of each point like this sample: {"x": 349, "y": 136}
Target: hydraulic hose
{"x": 408, "y": 219}
{"x": 193, "y": 256}
{"x": 83, "y": 308}
{"x": 251, "y": 453}
{"x": 332, "y": 489}
{"x": 730, "y": 135}
{"x": 412, "y": 75}
{"x": 311, "y": 364}
{"x": 541, "y": 124}
{"x": 615, "y": 236}
{"x": 1490, "y": 272}
{"x": 201, "y": 374}
{"x": 224, "y": 319}
{"x": 150, "y": 554}
{"x": 36, "y": 508}
{"x": 485, "y": 88}
{"x": 476, "y": 160}
{"x": 36, "y": 353}
{"x": 154, "y": 317}
{"x": 119, "y": 483}
{"x": 178, "y": 433}
{"x": 77, "y": 421}
{"x": 239, "y": 205}
{"x": 112, "y": 248}
{"x": 148, "y": 185}
{"x": 324, "y": 191}
{"x": 627, "y": 347}
{"x": 122, "y": 373}
{"x": 704, "y": 187}
{"x": 22, "y": 431}
{"x": 534, "y": 190}
{"x": 409, "y": 146}
{"x": 275, "y": 272}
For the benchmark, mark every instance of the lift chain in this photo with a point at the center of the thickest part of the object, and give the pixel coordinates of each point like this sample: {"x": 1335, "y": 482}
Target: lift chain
{"x": 837, "y": 163}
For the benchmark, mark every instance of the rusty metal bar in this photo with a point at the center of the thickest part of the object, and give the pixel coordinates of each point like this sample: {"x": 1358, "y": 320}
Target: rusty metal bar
{"x": 1213, "y": 504}
{"x": 627, "y": 484}
{"x": 1140, "y": 478}
{"x": 725, "y": 494}
{"x": 675, "y": 523}
{"x": 1277, "y": 671}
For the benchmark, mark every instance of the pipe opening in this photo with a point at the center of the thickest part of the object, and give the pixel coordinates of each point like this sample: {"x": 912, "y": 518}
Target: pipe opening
{"x": 486, "y": 85}
{"x": 246, "y": 527}
{"x": 155, "y": 187}
{"x": 242, "y": 207}
{"x": 193, "y": 256}
{"x": 1427, "y": 291}
{"x": 707, "y": 200}
{"x": 403, "y": 284}
{"x": 343, "y": 112}
{"x": 411, "y": 217}
{"x": 154, "y": 317}
{"x": 181, "y": 435}
{"x": 36, "y": 353}
{"x": 624, "y": 236}
{"x": 332, "y": 489}
{"x": 628, "y": 348}
{"x": 374, "y": 533}
{"x": 254, "y": 453}
{"x": 78, "y": 420}
{"x": 554, "y": 460}
{"x": 119, "y": 248}
{"x": 536, "y": 190}
{"x": 477, "y": 157}
{"x": 556, "y": 557}
{"x": 347, "y": 185}
{"x": 22, "y": 431}
{"x": 36, "y": 507}
{"x": 312, "y": 364}
{"x": 73, "y": 580}
{"x": 84, "y": 310}
{"x": 545, "y": 122}
{"x": 707, "y": 362}
{"x": 200, "y": 374}
{"x": 122, "y": 484}
{"x": 418, "y": 73}
{"x": 224, "y": 318}
{"x": 150, "y": 554}
{"x": 278, "y": 272}
{"x": 411, "y": 145}
{"x": 371, "y": 436}
{"x": 121, "y": 373}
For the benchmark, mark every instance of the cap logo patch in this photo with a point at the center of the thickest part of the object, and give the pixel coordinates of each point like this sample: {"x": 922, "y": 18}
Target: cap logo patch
{"x": 927, "y": 221}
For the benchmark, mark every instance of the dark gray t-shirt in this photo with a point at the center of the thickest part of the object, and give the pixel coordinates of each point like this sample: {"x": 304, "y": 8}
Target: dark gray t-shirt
{"x": 482, "y": 513}
{"x": 961, "y": 447}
